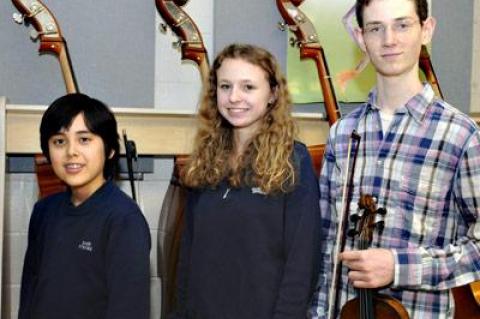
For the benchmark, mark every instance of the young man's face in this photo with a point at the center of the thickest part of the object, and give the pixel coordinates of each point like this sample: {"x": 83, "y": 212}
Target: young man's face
{"x": 78, "y": 158}
{"x": 392, "y": 36}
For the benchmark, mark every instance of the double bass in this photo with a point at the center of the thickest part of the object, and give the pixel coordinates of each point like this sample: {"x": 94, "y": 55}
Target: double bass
{"x": 306, "y": 39}
{"x": 47, "y": 30}
{"x": 190, "y": 43}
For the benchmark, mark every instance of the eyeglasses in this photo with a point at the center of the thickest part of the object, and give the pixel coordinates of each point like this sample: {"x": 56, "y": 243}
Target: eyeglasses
{"x": 399, "y": 26}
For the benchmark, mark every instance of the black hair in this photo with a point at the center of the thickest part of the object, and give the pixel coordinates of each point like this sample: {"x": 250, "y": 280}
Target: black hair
{"x": 98, "y": 119}
{"x": 421, "y": 8}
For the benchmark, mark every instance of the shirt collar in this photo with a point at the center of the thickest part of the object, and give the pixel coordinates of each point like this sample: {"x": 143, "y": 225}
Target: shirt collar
{"x": 416, "y": 106}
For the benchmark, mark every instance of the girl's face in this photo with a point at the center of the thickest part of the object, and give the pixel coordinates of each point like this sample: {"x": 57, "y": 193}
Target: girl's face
{"x": 243, "y": 95}
{"x": 78, "y": 158}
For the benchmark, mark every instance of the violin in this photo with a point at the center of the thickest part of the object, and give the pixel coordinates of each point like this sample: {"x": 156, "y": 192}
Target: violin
{"x": 47, "y": 30}
{"x": 369, "y": 304}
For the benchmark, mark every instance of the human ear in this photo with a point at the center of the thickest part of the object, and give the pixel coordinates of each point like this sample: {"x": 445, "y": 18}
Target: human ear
{"x": 428, "y": 28}
{"x": 358, "y": 33}
{"x": 273, "y": 95}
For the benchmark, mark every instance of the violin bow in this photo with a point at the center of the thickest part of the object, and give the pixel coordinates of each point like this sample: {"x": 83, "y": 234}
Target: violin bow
{"x": 47, "y": 30}
{"x": 309, "y": 45}
{"x": 190, "y": 39}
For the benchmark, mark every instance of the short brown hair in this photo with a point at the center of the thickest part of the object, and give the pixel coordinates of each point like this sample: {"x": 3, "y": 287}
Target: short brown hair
{"x": 421, "y": 7}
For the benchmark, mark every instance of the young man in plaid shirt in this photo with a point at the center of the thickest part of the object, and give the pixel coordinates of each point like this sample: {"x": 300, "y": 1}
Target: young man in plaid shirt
{"x": 419, "y": 158}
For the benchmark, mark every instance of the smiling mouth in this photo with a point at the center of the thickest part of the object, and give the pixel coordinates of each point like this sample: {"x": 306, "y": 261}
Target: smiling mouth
{"x": 237, "y": 110}
{"x": 73, "y": 167}
{"x": 390, "y": 55}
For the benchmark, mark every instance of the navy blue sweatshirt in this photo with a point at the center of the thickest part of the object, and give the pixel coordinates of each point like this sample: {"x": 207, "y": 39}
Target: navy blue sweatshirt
{"x": 87, "y": 262}
{"x": 245, "y": 254}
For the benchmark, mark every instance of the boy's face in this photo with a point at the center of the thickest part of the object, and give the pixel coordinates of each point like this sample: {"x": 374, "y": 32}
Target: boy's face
{"x": 392, "y": 36}
{"x": 78, "y": 158}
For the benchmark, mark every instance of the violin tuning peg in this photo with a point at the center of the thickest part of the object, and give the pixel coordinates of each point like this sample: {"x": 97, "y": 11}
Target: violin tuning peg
{"x": 352, "y": 232}
{"x": 162, "y": 27}
{"x": 354, "y": 218}
{"x": 382, "y": 211}
{"x": 18, "y": 17}
{"x": 380, "y": 225}
{"x": 282, "y": 26}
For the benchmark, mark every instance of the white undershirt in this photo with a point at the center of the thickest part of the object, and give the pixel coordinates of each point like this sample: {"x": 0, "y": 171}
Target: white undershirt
{"x": 386, "y": 120}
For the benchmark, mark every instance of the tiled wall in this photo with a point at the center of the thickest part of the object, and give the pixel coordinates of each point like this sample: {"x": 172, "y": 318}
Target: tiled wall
{"x": 177, "y": 86}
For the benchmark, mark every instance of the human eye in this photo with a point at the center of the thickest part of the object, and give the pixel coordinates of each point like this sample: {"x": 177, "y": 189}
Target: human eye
{"x": 84, "y": 139}
{"x": 249, "y": 87}
{"x": 403, "y": 26}
{"x": 224, "y": 86}
{"x": 373, "y": 28}
{"x": 57, "y": 141}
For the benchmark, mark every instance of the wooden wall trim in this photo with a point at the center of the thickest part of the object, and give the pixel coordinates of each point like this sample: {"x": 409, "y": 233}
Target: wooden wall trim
{"x": 155, "y": 132}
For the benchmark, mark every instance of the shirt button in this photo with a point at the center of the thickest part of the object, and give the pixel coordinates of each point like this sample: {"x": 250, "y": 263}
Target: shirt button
{"x": 379, "y": 163}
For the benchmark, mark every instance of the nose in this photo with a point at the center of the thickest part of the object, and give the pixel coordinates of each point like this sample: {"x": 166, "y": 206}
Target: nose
{"x": 72, "y": 149}
{"x": 389, "y": 36}
{"x": 235, "y": 95}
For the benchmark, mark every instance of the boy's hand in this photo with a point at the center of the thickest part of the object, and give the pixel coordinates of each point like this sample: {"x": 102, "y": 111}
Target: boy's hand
{"x": 371, "y": 268}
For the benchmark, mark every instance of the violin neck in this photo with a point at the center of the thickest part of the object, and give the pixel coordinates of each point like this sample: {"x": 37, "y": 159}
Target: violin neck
{"x": 365, "y": 295}
{"x": 366, "y": 303}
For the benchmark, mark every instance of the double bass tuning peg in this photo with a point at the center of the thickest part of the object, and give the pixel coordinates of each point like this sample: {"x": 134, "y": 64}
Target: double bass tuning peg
{"x": 294, "y": 42}
{"x": 18, "y": 17}
{"x": 162, "y": 27}
{"x": 178, "y": 44}
{"x": 282, "y": 26}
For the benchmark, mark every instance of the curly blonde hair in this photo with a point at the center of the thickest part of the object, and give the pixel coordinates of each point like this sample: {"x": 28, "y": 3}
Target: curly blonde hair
{"x": 267, "y": 161}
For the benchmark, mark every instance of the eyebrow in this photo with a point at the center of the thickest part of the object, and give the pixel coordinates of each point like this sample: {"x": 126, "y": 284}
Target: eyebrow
{"x": 77, "y": 132}
{"x": 396, "y": 19}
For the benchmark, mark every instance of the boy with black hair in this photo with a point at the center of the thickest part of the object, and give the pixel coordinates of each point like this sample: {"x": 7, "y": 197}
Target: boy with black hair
{"x": 419, "y": 159}
{"x": 88, "y": 248}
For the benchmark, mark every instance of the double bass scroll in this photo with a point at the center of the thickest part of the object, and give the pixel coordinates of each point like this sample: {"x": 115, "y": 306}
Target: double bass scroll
{"x": 47, "y": 30}
{"x": 307, "y": 40}
{"x": 190, "y": 40}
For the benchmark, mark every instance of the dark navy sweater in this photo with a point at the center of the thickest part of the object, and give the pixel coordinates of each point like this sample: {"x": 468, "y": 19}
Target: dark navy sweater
{"x": 248, "y": 255}
{"x": 87, "y": 262}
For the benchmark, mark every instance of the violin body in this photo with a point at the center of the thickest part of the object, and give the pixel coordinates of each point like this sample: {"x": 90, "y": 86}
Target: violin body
{"x": 384, "y": 307}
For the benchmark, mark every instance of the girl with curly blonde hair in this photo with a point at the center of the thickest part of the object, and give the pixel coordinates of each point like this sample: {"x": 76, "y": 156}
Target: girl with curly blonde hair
{"x": 252, "y": 215}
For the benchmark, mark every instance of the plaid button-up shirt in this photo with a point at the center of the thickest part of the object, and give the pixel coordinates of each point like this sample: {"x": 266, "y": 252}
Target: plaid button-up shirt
{"x": 423, "y": 169}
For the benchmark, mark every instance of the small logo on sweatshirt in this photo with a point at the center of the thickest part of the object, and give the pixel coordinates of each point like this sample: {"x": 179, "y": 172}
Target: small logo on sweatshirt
{"x": 257, "y": 190}
{"x": 85, "y": 245}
